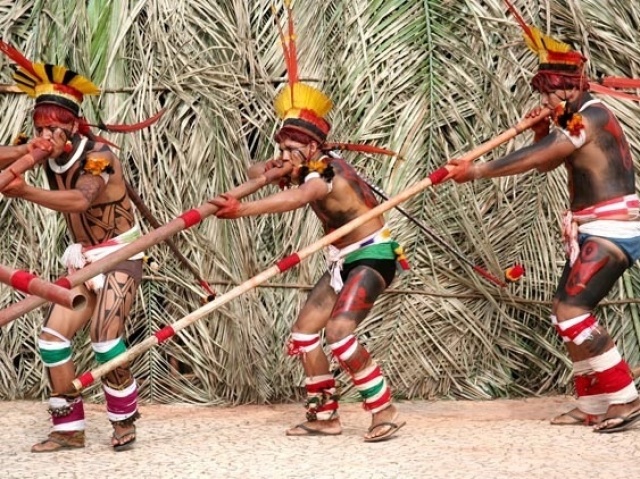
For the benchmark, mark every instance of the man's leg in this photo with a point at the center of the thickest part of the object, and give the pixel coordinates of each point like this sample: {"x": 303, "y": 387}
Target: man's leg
{"x": 603, "y": 381}
{"x": 107, "y": 330}
{"x": 363, "y": 286}
{"x": 322, "y": 400}
{"x": 54, "y": 344}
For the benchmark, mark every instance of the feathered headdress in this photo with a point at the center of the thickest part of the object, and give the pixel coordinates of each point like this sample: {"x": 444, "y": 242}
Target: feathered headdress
{"x": 57, "y": 85}
{"x": 301, "y": 106}
{"x": 557, "y": 58}
{"x": 304, "y": 108}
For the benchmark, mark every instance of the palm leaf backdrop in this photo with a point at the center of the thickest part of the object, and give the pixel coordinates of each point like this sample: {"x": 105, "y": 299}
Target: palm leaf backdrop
{"x": 427, "y": 78}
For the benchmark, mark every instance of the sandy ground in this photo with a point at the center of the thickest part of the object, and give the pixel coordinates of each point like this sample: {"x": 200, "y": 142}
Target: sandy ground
{"x": 443, "y": 439}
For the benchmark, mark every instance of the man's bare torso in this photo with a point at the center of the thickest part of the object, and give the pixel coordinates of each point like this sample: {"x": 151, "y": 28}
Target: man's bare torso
{"x": 110, "y": 213}
{"x": 602, "y": 169}
{"x": 350, "y": 198}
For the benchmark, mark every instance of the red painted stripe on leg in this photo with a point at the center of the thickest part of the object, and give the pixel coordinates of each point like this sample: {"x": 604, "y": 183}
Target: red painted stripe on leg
{"x": 340, "y": 350}
{"x": 572, "y": 332}
{"x": 384, "y": 399}
{"x": 320, "y": 386}
{"x": 608, "y": 381}
{"x": 377, "y": 372}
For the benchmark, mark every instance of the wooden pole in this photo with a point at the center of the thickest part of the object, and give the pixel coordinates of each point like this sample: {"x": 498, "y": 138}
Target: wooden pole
{"x": 59, "y": 292}
{"x": 148, "y": 215}
{"x": 22, "y": 164}
{"x": 186, "y": 220}
{"x": 292, "y": 260}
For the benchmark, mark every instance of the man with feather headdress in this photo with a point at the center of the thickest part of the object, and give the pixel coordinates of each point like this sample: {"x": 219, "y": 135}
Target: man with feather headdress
{"x": 601, "y": 229}
{"x": 87, "y": 185}
{"x": 361, "y": 264}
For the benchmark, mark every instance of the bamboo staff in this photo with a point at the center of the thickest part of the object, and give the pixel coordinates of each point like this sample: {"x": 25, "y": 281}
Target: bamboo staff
{"x": 437, "y": 239}
{"x": 292, "y": 260}
{"x": 184, "y": 221}
{"x": 59, "y": 292}
{"x": 146, "y": 212}
{"x": 22, "y": 164}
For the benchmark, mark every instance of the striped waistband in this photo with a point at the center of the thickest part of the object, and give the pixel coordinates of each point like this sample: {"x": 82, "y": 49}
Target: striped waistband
{"x": 625, "y": 208}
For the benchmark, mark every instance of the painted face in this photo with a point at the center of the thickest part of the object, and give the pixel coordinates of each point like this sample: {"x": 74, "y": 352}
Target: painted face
{"x": 45, "y": 129}
{"x": 297, "y": 154}
{"x": 553, "y": 98}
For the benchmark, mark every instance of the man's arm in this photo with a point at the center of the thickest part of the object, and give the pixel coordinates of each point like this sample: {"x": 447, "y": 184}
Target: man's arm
{"x": 545, "y": 155}
{"x": 78, "y": 200}
{"x": 287, "y": 200}
{"x": 9, "y": 154}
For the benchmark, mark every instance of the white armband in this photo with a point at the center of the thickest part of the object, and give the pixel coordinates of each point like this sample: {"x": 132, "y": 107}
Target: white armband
{"x": 315, "y": 174}
{"x": 577, "y": 141}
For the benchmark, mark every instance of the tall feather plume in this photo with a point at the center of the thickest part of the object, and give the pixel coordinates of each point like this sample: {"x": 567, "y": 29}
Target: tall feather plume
{"x": 18, "y": 58}
{"x": 292, "y": 57}
{"x": 289, "y": 49}
{"x": 534, "y": 39}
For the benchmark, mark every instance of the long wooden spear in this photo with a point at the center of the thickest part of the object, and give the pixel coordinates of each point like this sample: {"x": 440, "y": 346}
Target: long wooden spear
{"x": 184, "y": 221}
{"x": 21, "y": 165}
{"x": 435, "y": 237}
{"x": 59, "y": 292}
{"x": 292, "y": 260}
{"x": 151, "y": 219}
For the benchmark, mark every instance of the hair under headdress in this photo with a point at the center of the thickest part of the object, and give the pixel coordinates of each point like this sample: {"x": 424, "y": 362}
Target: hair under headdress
{"x": 59, "y": 86}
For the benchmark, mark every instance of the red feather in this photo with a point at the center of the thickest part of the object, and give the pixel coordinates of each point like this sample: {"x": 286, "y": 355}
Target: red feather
{"x": 361, "y": 148}
{"x": 130, "y": 128}
{"x": 620, "y": 82}
{"x": 17, "y": 57}
{"x": 596, "y": 88}
{"x": 520, "y": 20}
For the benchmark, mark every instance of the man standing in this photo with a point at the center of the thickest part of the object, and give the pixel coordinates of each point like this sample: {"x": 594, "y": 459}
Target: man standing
{"x": 601, "y": 229}
{"x": 87, "y": 185}
{"x": 362, "y": 263}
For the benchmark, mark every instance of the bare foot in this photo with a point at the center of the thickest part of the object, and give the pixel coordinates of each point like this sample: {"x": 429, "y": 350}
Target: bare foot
{"x": 619, "y": 417}
{"x": 576, "y": 417}
{"x": 329, "y": 427}
{"x": 384, "y": 424}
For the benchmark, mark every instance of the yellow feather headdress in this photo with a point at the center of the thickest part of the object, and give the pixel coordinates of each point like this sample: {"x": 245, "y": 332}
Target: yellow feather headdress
{"x": 47, "y": 83}
{"x": 57, "y": 85}
{"x": 301, "y": 106}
